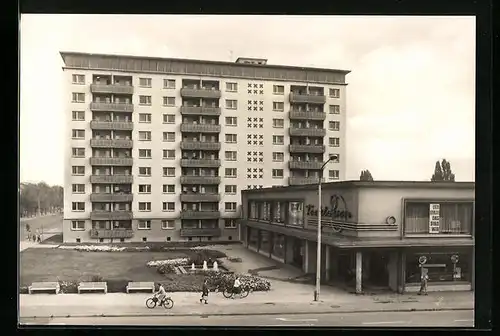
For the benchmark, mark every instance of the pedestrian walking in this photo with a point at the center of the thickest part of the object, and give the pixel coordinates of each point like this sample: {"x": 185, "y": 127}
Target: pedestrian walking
{"x": 424, "y": 278}
{"x": 204, "y": 292}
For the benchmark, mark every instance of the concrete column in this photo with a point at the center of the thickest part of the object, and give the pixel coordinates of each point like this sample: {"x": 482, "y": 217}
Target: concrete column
{"x": 359, "y": 272}
{"x": 402, "y": 271}
{"x": 327, "y": 262}
{"x": 393, "y": 270}
{"x": 306, "y": 256}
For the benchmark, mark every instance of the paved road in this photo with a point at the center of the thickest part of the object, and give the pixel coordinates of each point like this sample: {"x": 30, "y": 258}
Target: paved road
{"x": 371, "y": 320}
{"x": 50, "y": 224}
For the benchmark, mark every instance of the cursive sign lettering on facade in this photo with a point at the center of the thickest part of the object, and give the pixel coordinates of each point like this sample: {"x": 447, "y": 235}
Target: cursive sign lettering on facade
{"x": 337, "y": 209}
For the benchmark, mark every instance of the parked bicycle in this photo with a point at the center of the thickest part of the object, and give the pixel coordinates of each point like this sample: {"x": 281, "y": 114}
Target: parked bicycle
{"x": 167, "y": 302}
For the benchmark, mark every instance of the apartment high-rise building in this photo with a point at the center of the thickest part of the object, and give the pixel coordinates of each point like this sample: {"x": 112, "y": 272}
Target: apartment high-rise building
{"x": 159, "y": 149}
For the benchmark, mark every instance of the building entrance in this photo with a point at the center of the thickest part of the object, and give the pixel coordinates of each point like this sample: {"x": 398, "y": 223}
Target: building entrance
{"x": 298, "y": 252}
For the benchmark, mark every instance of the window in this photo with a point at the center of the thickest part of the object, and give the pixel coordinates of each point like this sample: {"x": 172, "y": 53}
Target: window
{"x": 78, "y": 170}
{"x": 144, "y": 224}
{"x": 144, "y": 171}
{"x": 334, "y": 142}
{"x": 169, "y": 136}
{"x": 230, "y": 155}
{"x": 144, "y": 100}
{"x": 277, "y": 173}
{"x": 278, "y": 123}
{"x": 169, "y": 83}
{"x": 229, "y": 223}
{"x": 145, "y": 82}
{"x": 230, "y": 206}
{"x": 443, "y": 269}
{"x": 278, "y": 140}
{"x": 145, "y": 153}
{"x": 78, "y": 188}
{"x": 168, "y": 101}
{"x": 169, "y": 171}
{"x": 78, "y": 152}
{"x": 231, "y": 138}
{"x": 169, "y": 118}
{"x": 334, "y": 125}
{"x": 144, "y": 188}
{"x": 230, "y": 172}
{"x": 334, "y": 109}
{"x": 78, "y": 225}
{"x": 278, "y": 106}
{"x": 78, "y": 97}
{"x": 169, "y": 154}
{"x": 78, "y": 79}
{"x": 168, "y": 206}
{"x": 78, "y": 115}
{"x": 337, "y": 160}
{"x": 278, "y": 89}
{"x": 279, "y": 212}
{"x": 232, "y": 87}
{"x": 333, "y": 174}
{"x": 231, "y": 104}
{"x": 168, "y": 224}
{"x": 451, "y": 218}
{"x": 296, "y": 213}
{"x": 145, "y": 117}
{"x": 78, "y": 206}
{"x": 278, "y": 157}
{"x": 78, "y": 134}
{"x": 230, "y": 189}
{"x": 334, "y": 93}
{"x": 231, "y": 121}
{"x": 169, "y": 188}
{"x": 144, "y": 135}
{"x": 144, "y": 206}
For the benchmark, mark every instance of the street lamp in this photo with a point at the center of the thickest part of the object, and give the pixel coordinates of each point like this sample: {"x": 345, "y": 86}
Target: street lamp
{"x": 318, "y": 252}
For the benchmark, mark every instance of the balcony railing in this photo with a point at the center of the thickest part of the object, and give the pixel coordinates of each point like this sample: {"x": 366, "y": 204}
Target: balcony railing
{"x": 111, "y": 215}
{"x": 200, "y": 128}
{"x": 304, "y": 165}
{"x": 112, "y": 179}
{"x": 200, "y": 93}
{"x": 186, "y": 179}
{"x": 112, "y": 125}
{"x": 315, "y": 149}
{"x": 302, "y": 180}
{"x": 205, "y": 110}
{"x": 200, "y": 163}
{"x": 307, "y": 98}
{"x": 111, "y": 107}
{"x": 111, "y": 197}
{"x": 111, "y": 161}
{"x": 197, "y": 145}
{"x": 112, "y": 88}
{"x": 115, "y": 233}
{"x": 308, "y": 132}
{"x": 111, "y": 143}
{"x": 200, "y": 214}
{"x": 300, "y": 115}
{"x": 200, "y": 232}
{"x": 200, "y": 197}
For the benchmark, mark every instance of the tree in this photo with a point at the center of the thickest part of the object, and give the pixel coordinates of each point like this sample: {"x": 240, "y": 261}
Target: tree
{"x": 39, "y": 198}
{"x": 442, "y": 172}
{"x": 366, "y": 175}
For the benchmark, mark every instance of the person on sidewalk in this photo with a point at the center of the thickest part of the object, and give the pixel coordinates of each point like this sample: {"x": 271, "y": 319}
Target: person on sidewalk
{"x": 424, "y": 278}
{"x": 204, "y": 292}
{"x": 161, "y": 294}
{"x": 236, "y": 287}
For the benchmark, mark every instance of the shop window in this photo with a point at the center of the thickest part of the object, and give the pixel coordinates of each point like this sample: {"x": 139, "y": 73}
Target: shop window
{"x": 442, "y": 267}
{"x": 265, "y": 211}
{"x": 278, "y": 246}
{"x": 265, "y": 243}
{"x": 279, "y": 212}
{"x": 453, "y": 218}
{"x": 296, "y": 213}
{"x": 253, "y": 238}
{"x": 253, "y": 210}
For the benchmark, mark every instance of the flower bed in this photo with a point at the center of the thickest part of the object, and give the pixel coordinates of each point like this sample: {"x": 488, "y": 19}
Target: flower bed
{"x": 226, "y": 280}
{"x": 96, "y": 248}
{"x": 173, "y": 262}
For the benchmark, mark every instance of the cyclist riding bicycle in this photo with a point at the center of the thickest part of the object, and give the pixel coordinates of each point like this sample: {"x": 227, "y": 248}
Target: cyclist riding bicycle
{"x": 236, "y": 287}
{"x": 161, "y": 294}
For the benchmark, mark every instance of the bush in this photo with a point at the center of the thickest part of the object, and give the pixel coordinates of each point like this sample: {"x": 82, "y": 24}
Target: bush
{"x": 68, "y": 286}
{"x": 199, "y": 256}
{"x": 166, "y": 269}
{"x": 183, "y": 282}
{"x": 226, "y": 280}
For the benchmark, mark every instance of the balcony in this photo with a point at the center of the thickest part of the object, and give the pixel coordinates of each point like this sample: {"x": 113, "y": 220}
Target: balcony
{"x": 300, "y": 115}
{"x": 200, "y": 93}
{"x": 200, "y": 198}
{"x": 304, "y": 165}
{"x": 200, "y": 232}
{"x": 112, "y": 88}
{"x": 307, "y": 132}
{"x": 112, "y": 125}
{"x": 302, "y": 180}
{"x": 200, "y": 179}
{"x": 111, "y": 143}
{"x": 307, "y": 98}
{"x": 112, "y": 179}
{"x": 200, "y": 163}
{"x": 200, "y": 214}
{"x": 111, "y": 107}
{"x": 208, "y": 111}
{"x": 314, "y": 149}
{"x": 115, "y": 233}
{"x": 111, "y": 161}
{"x": 111, "y": 215}
{"x": 111, "y": 197}
{"x": 200, "y": 128}
{"x": 196, "y": 145}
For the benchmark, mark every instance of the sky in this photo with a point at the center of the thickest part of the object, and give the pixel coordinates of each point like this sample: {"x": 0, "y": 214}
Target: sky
{"x": 410, "y": 93}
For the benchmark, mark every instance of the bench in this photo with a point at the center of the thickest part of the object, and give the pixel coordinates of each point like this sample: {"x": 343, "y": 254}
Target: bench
{"x": 44, "y": 286}
{"x": 137, "y": 286}
{"x": 93, "y": 286}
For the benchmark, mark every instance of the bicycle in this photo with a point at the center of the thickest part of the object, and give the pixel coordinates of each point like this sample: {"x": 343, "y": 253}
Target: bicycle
{"x": 243, "y": 293}
{"x": 167, "y": 302}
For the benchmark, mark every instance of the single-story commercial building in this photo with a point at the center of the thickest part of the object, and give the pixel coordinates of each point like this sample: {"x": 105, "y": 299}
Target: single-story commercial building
{"x": 377, "y": 234}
